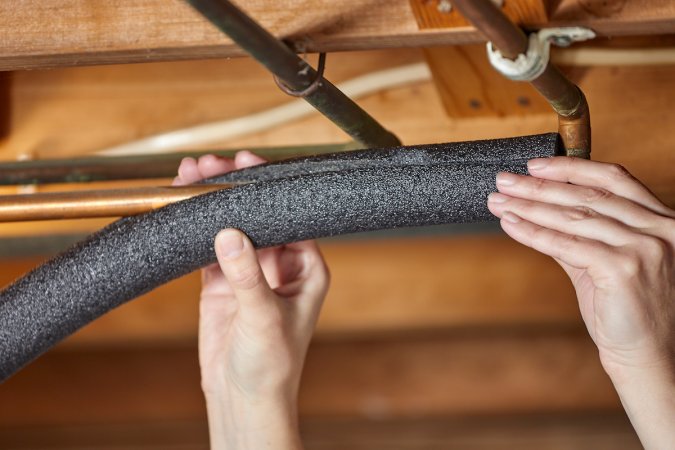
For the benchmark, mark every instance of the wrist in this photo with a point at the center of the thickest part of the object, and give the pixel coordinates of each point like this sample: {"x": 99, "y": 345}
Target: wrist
{"x": 253, "y": 423}
{"x": 648, "y": 396}
{"x": 634, "y": 369}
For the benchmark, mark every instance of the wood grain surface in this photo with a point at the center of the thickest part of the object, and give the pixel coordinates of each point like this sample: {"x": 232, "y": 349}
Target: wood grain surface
{"x": 50, "y": 33}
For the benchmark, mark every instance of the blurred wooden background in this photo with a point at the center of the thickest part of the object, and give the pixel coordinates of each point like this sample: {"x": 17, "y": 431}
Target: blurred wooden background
{"x": 451, "y": 337}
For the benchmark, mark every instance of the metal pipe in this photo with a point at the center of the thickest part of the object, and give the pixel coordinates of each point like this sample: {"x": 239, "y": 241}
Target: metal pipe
{"x": 568, "y": 101}
{"x": 108, "y": 168}
{"x": 99, "y": 203}
{"x": 497, "y": 28}
{"x": 295, "y": 73}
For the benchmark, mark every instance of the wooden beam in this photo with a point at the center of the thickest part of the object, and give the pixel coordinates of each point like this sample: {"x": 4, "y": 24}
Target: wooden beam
{"x": 587, "y": 431}
{"x": 491, "y": 372}
{"x": 431, "y": 14}
{"x": 378, "y": 287}
{"x": 5, "y": 104}
{"x": 63, "y": 33}
{"x": 470, "y": 87}
{"x": 542, "y": 432}
{"x": 615, "y": 17}
{"x": 479, "y": 372}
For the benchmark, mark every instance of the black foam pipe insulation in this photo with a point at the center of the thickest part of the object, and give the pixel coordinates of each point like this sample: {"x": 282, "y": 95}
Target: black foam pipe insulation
{"x": 282, "y": 202}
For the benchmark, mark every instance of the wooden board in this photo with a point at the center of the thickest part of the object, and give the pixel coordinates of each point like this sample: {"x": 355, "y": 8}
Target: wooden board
{"x": 75, "y": 32}
{"x": 613, "y": 16}
{"x": 378, "y": 287}
{"x": 432, "y": 14}
{"x": 5, "y": 105}
{"x": 470, "y": 87}
{"x": 542, "y": 432}
{"x": 444, "y": 374}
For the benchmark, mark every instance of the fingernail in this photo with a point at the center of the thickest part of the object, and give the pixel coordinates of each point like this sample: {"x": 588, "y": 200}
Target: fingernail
{"x": 182, "y": 165}
{"x": 537, "y": 164}
{"x": 505, "y": 179}
{"x": 231, "y": 243}
{"x": 496, "y": 197}
{"x": 510, "y": 217}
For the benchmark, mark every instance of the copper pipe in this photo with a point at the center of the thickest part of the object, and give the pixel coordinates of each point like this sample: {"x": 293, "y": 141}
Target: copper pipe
{"x": 99, "y": 203}
{"x": 575, "y": 130}
{"x": 106, "y": 168}
{"x": 495, "y": 26}
{"x": 295, "y": 73}
{"x": 574, "y": 124}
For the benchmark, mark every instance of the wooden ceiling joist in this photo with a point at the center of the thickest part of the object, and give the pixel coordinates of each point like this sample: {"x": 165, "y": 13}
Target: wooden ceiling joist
{"x": 48, "y": 33}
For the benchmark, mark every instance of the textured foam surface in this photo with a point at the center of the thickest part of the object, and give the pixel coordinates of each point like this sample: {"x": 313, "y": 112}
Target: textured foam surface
{"x": 288, "y": 201}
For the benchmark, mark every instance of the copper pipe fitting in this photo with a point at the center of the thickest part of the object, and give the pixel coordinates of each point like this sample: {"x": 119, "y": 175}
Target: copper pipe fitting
{"x": 99, "y": 203}
{"x": 574, "y": 123}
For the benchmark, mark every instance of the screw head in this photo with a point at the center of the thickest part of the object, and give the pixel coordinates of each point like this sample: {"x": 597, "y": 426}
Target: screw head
{"x": 444, "y": 6}
{"x": 475, "y": 103}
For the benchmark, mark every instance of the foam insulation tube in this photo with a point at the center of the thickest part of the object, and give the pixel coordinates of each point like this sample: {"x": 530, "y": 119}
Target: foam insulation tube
{"x": 284, "y": 202}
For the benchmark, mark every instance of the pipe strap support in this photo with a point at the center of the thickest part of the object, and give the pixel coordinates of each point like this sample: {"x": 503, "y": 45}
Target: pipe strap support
{"x": 530, "y": 65}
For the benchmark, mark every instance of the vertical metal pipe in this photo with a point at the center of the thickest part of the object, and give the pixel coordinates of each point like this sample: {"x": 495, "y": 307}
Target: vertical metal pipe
{"x": 294, "y": 72}
{"x": 574, "y": 124}
{"x": 497, "y": 28}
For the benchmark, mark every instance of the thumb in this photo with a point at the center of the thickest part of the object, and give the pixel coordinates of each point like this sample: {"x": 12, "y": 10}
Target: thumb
{"x": 238, "y": 261}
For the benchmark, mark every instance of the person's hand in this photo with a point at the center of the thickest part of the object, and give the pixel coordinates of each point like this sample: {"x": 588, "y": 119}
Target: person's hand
{"x": 616, "y": 241}
{"x": 258, "y": 311}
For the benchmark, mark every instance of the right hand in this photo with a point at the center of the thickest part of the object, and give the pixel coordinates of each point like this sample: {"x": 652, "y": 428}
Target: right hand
{"x": 616, "y": 241}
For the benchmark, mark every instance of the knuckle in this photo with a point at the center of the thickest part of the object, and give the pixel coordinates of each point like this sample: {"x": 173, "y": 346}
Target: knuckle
{"x": 669, "y": 228}
{"x": 578, "y": 213}
{"x": 562, "y": 243}
{"x": 326, "y": 276}
{"x": 593, "y": 195}
{"x": 654, "y": 248}
{"x": 521, "y": 206}
{"x": 320, "y": 278}
{"x": 536, "y": 185}
{"x": 568, "y": 163}
{"x": 246, "y": 277}
{"x": 618, "y": 172}
{"x": 628, "y": 264}
{"x": 318, "y": 266}
{"x": 565, "y": 242}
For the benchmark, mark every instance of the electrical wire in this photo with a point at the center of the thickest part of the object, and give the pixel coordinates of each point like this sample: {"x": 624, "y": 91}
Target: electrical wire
{"x": 217, "y": 132}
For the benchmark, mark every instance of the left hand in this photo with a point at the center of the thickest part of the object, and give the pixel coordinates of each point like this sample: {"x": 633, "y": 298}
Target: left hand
{"x": 258, "y": 311}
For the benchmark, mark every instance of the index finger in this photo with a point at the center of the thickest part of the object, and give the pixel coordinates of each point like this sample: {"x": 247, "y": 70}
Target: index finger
{"x": 611, "y": 177}
{"x": 312, "y": 279}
